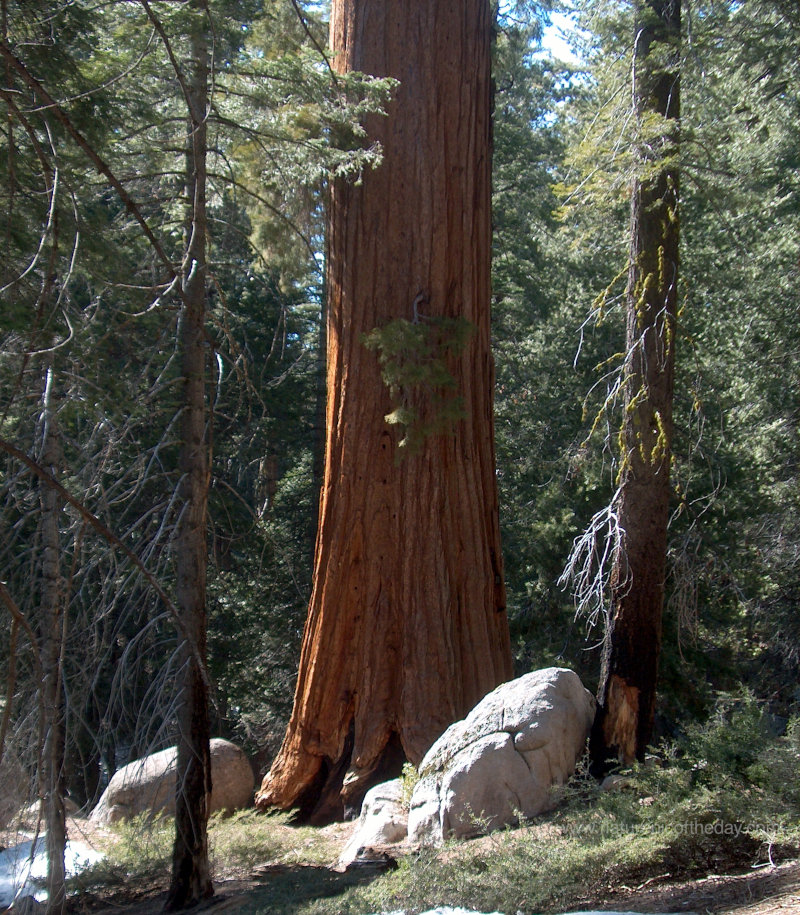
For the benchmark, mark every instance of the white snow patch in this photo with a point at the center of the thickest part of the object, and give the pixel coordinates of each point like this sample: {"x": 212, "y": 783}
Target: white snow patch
{"x": 446, "y": 910}
{"x": 22, "y": 866}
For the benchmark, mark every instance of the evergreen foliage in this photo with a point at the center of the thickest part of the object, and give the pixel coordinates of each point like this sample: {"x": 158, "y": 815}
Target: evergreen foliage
{"x": 413, "y": 359}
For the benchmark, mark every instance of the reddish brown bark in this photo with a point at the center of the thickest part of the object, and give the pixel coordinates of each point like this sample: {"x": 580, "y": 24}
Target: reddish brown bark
{"x": 627, "y": 692}
{"x": 407, "y": 627}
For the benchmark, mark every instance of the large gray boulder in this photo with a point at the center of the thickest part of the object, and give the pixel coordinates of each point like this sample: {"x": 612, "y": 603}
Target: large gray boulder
{"x": 148, "y": 785}
{"x": 501, "y": 762}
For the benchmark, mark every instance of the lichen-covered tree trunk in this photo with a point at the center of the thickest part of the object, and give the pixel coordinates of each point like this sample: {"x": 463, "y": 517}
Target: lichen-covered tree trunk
{"x": 627, "y": 692}
{"x": 191, "y": 876}
{"x": 407, "y": 625}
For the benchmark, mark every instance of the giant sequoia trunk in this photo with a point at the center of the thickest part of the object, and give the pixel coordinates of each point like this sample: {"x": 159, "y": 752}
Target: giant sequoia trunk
{"x": 191, "y": 877}
{"x": 407, "y": 627}
{"x": 627, "y": 693}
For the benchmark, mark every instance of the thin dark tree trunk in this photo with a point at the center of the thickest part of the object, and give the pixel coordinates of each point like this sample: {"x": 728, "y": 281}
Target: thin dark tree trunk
{"x": 407, "y": 627}
{"x": 191, "y": 876}
{"x": 52, "y": 610}
{"x": 627, "y": 693}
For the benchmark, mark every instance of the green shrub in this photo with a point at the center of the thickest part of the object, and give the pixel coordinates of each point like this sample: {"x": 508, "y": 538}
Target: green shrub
{"x": 730, "y": 742}
{"x": 408, "y": 781}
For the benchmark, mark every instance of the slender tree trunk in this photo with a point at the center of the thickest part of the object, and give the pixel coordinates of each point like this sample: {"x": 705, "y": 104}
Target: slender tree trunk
{"x": 407, "y": 625}
{"x": 627, "y": 692}
{"x": 191, "y": 877}
{"x": 52, "y": 610}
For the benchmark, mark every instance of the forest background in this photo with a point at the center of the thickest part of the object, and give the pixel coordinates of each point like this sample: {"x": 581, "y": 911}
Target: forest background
{"x": 89, "y": 360}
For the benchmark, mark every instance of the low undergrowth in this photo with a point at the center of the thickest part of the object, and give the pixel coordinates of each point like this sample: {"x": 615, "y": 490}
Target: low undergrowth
{"x": 139, "y": 852}
{"x": 726, "y": 798}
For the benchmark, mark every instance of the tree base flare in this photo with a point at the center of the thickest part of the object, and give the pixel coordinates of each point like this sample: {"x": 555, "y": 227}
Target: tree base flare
{"x": 322, "y": 790}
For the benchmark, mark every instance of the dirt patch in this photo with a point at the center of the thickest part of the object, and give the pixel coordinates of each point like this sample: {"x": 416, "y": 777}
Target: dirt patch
{"x": 764, "y": 891}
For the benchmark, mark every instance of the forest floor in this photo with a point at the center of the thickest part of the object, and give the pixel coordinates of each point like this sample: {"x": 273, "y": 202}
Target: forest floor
{"x": 773, "y": 891}
{"x": 767, "y": 890}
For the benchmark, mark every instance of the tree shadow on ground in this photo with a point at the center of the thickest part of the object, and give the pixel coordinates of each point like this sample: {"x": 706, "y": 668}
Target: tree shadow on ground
{"x": 279, "y": 889}
{"x": 285, "y": 888}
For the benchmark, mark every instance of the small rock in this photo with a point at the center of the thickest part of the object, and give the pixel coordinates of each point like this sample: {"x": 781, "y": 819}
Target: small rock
{"x": 383, "y": 821}
{"x": 374, "y": 859}
{"x": 615, "y": 783}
